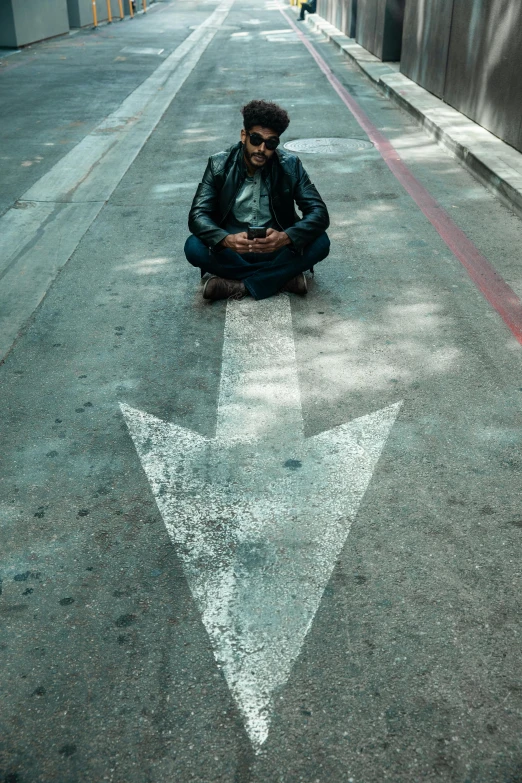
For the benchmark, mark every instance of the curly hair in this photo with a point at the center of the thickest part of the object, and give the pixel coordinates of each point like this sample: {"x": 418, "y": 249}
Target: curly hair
{"x": 266, "y": 114}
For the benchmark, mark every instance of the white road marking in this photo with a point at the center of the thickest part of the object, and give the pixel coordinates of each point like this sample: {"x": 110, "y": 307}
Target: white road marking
{"x": 42, "y": 231}
{"x": 144, "y": 50}
{"x": 258, "y": 514}
{"x": 84, "y": 174}
{"x": 27, "y": 272}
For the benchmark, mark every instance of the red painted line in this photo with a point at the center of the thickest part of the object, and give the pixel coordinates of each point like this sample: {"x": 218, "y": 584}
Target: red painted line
{"x": 497, "y": 292}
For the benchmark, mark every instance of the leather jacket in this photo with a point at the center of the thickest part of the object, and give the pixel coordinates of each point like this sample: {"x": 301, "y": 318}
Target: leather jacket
{"x": 286, "y": 181}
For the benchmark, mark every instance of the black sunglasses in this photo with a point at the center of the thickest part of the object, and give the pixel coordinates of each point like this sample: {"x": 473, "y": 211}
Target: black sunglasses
{"x": 256, "y": 139}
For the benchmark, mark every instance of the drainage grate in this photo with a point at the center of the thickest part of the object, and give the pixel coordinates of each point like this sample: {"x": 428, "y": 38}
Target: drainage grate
{"x": 328, "y": 146}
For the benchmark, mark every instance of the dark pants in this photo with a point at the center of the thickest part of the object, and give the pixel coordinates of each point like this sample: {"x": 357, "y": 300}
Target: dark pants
{"x": 264, "y": 274}
{"x": 306, "y": 7}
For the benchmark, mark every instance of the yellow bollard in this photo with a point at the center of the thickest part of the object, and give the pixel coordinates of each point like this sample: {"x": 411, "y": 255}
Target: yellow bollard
{"x": 120, "y": 6}
{"x": 109, "y": 12}
{"x": 144, "y": 6}
{"x": 94, "y": 14}
{"x": 131, "y": 10}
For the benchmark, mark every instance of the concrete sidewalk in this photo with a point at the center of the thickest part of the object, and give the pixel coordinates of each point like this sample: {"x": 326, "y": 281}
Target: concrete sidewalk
{"x": 494, "y": 163}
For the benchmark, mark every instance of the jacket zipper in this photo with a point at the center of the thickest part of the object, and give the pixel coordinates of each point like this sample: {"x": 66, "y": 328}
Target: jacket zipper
{"x": 272, "y": 210}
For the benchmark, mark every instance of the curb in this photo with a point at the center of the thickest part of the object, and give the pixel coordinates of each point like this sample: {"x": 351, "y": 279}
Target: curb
{"x": 493, "y": 162}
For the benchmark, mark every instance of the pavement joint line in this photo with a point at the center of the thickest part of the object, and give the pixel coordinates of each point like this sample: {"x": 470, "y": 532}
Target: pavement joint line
{"x": 37, "y": 241}
{"x": 489, "y": 282}
{"x": 496, "y": 164}
{"x": 33, "y": 241}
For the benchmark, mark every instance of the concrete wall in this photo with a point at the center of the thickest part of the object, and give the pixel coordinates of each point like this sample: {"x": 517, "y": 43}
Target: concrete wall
{"x": 80, "y": 11}
{"x": 469, "y": 53}
{"x": 28, "y": 21}
{"x": 7, "y": 24}
{"x": 23, "y": 22}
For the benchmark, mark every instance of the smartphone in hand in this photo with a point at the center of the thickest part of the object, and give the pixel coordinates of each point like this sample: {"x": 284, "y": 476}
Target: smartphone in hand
{"x": 256, "y": 232}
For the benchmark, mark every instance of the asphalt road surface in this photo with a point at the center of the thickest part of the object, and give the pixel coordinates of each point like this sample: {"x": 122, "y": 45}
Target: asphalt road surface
{"x": 250, "y": 542}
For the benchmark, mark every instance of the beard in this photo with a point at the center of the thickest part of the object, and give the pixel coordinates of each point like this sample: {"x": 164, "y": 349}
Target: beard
{"x": 255, "y": 162}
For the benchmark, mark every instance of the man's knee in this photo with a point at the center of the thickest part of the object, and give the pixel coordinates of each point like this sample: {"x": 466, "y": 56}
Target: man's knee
{"x": 196, "y": 252}
{"x": 319, "y": 248}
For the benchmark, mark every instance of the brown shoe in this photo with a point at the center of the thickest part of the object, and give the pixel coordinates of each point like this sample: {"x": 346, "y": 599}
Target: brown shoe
{"x": 221, "y": 288}
{"x": 297, "y": 285}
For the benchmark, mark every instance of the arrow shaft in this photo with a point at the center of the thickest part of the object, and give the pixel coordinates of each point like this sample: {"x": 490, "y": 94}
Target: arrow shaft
{"x": 259, "y": 392}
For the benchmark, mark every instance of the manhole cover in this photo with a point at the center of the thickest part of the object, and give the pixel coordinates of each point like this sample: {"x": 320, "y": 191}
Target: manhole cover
{"x": 328, "y": 146}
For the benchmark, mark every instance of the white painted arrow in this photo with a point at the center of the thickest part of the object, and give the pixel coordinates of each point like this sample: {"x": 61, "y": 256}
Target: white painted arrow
{"x": 259, "y": 514}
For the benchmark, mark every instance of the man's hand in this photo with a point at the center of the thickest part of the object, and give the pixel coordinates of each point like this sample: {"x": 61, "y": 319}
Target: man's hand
{"x": 274, "y": 241}
{"x": 238, "y": 242}
{"x": 242, "y": 244}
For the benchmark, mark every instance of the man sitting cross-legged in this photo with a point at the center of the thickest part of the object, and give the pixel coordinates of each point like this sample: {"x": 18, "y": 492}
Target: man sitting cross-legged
{"x": 255, "y": 184}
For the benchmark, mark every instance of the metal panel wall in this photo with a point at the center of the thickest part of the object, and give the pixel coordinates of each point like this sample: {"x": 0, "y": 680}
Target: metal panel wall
{"x": 366, "y": 22}
{"x": 323, "y": 9}
{"x": 425, "y": 42}
{"x": 390, "y": 22}
{"x": 379, "y": 27}
{"x": 469, "y": 53}
{"x": 351, "y": 18}
{"x": 341, "y": 13}
{"x": 484, "y": 74}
